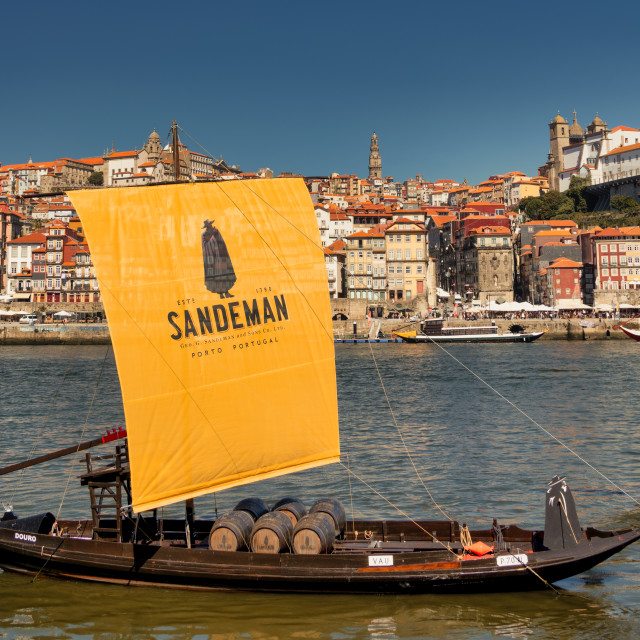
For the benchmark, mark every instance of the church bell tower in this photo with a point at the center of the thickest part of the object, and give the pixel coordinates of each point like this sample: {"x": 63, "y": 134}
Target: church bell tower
{"x": 375, "y": 161}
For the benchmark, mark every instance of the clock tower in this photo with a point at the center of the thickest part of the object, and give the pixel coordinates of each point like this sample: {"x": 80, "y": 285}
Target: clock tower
{"x": 375, "y": 161}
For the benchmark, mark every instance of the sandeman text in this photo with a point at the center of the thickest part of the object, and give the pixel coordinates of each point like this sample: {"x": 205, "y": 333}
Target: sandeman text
{"x": 202, "y": 321}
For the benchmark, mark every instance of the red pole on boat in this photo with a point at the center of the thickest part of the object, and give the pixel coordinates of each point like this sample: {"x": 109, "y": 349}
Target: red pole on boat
{"x": 111, "y": 435}
{"x": 626, "y": 321}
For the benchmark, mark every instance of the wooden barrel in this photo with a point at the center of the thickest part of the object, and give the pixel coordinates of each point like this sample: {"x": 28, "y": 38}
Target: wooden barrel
{"x": 314, "y": 534}
{"x": 335, "y": 509}
{"x": 293, "y": 507}
{"x": 231, "y": 531}
{"x": 272, "y": 533}
{"x": 255, "y": 506}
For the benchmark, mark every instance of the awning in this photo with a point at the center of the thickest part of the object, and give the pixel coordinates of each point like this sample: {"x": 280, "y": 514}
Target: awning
{"x": 441, "y": 293}
{"x": 573, "y": 305}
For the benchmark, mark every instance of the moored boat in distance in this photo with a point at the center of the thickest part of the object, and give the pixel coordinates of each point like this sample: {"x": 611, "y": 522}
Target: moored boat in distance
{"x": 432, "y": 330}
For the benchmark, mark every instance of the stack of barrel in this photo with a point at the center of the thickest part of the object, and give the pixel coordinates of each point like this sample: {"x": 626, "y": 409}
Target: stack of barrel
{"x": 286, "y": 527}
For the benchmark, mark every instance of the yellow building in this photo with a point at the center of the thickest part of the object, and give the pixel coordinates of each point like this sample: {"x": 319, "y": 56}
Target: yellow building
{"x": 406, "y": 244}
{"x": 366, "y": 268}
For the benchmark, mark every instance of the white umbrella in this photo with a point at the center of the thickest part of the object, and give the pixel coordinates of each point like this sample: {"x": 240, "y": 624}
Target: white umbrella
{"x": 63, "y": 314}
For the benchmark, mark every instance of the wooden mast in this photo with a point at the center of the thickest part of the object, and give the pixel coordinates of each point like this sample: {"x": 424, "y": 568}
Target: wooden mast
{"x": 176, "y": 151}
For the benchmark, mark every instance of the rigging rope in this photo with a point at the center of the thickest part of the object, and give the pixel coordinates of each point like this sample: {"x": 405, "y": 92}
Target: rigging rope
{"x": 84, "y": 427}
{"x": 406, "y": 448}
{"x": 537, "y": 424}
{"x": 42, "y": 430}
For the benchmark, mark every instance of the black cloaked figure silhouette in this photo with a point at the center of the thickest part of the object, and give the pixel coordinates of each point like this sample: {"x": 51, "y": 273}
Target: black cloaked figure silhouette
{"x": 219, "y": 276}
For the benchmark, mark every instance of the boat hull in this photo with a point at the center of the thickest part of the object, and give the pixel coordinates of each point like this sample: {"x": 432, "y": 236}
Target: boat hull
{"x": 203, "y": 569}
{"x": 634, "y": 335}
{"x": 502, "y": 337}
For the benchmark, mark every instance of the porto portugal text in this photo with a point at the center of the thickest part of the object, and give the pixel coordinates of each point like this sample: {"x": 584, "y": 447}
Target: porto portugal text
{"x": 564, "y": 243}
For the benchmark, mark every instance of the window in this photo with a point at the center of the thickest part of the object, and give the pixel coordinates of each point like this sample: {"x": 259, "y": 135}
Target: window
{"x": 391, "y": 269}
{"x": 407, "y": 254}
{"x": 605, "y": 260}
{"x": 605, "y": 247}
{"x": 419, "y": 268}
{"x": 407, "y": 238}
{"x": 407, "y": 268}
{"x": 408, "y": 294}
{"x": 419, "y": 254}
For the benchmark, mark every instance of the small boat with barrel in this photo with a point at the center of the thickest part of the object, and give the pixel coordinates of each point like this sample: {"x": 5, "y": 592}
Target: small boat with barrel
{"x": 217, "y": 302}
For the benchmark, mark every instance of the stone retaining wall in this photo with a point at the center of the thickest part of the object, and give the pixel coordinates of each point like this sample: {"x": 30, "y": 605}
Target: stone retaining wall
{"x": 14, "y": 333}
{"x": 560, "y": 329}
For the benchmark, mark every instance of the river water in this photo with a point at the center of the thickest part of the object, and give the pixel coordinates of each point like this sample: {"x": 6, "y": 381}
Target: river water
{"x": 474, "y": 424}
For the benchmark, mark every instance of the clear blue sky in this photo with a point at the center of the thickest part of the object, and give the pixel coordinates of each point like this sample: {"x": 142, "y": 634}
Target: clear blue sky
{"x": 453, "y": 90}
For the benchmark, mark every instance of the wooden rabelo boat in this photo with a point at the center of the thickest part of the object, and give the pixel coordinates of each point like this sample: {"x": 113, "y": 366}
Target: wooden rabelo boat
{"x": 216, "y": 296}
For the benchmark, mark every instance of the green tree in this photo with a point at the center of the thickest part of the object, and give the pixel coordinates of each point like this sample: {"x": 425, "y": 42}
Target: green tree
{"x": 552, "y": 204}
{"x": 576, "y": 192}
{"x": 626, "y": 205}
{"x": 96, "y": 178}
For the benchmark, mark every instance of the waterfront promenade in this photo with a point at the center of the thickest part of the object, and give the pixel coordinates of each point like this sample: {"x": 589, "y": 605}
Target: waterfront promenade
{"x": 557, "y": 329}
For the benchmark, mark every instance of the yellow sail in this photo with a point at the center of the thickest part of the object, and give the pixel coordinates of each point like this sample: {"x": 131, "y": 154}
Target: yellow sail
{"x": 217, "y": 301}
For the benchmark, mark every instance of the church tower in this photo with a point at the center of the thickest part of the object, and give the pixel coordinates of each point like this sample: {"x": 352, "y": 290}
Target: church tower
{"x": 375, "y": 161}
{"x": 153, "y": 147}
{"x": 559, "y": 138}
